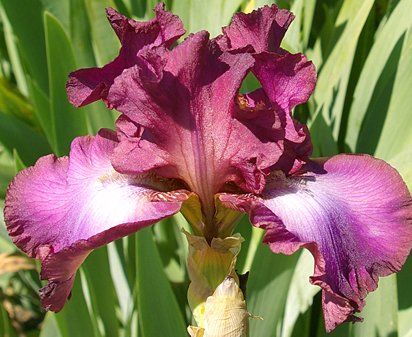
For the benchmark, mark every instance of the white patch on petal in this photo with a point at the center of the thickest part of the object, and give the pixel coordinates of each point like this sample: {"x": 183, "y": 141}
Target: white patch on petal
{"x": 107, "y": 201}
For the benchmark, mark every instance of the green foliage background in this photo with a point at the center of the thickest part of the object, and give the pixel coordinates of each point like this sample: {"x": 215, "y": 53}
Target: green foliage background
{"x": 137, "y": 286}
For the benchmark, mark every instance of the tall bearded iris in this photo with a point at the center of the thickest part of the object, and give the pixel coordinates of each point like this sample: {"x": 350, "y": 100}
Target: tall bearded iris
{"x": 188, "y": 141}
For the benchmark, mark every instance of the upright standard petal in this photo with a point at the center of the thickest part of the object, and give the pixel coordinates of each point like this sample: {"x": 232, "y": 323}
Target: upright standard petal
{"x": 88, "y": 85}
{"x": 297, "y": 145}
{"x": 262, "y": 30}
{"x": 353, "y": 212}
{"x": 62, "y": 208}
{"x": 186, "y": 109}
{"x": 287, "y": 79}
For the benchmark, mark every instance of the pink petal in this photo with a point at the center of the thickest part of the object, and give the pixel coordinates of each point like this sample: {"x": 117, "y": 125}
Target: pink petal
{"x": 262, "y": 30}
{"x": 188, "y": 105}
{"x": 62, "y": 208}
{"x": 88, "y": 85}
{"x": 287, "y": 79}
{"x": 354, "y": 213}
{"x": 297, "y": 145}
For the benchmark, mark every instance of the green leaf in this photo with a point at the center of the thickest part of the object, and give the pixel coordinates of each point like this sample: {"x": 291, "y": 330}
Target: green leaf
{"x": 6, "y": 329}
{"x": 120, "y": 283}
{"x": 402, "y": 162}
{"x": 80, "y": 34}
{"x": 168, "y": 241}
{"x": 26, "y": 16}
{"x": 245, "y": 229}
{"x": 13, "y": 103}
{"x": 18, "y": 163}
{"x": 248, "y": 251}
{"x": 209, "y": 15}
{"x": 249, "y": 84}
{"x": 334, "y": 75}
{"x": 105, "y": 43}
{"x": 159, "y": 313}
{"x": 15, "y": 134}
{"x": 292, "y": 40}
{"x": 253, "y": 4}
{"x": 50, "y": 327}
{"x": 308, "y": 16}
{"x": 12, "y": 52}
{"x": 324, "y": 144}
{"x": 60, "y": 10}
{"x": 6, "y": 245}
{"x": 6, "y": 175}
{"x": 74, "y": 319}
{"x": 381, "y": 311}
{"x": 375, "y": 85}
{"x": 300, "y": 294}
{"x": 41, "y": 105}
{"x": 67, "y": 122}
{"x": 267, "y": 290}
{"x": 137, "y": 8}
{"x": 404, "y": 279}
{"x": 397, "y": 131}
{"x": 7, "y": 172}
{"x": 102, "y": 292}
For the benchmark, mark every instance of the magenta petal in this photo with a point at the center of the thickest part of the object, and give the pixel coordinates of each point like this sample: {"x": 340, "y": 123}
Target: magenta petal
{"x": 88, "y": 85}
{"x": 164, "y": 29}
{"x": 354, "y": 213}
{"x": 288, "y": 80}
{"x": 60, "y": 271}
{"x": 189, "y": 107}
{"x": 297, "y": 145}
{"x": 263, "y": 29}
{"x": 62, "y": 208}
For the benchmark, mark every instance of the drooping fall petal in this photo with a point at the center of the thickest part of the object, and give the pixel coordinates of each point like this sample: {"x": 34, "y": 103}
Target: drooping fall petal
{"x": 88, "y": 85}
{"x": 352, "y": 212}
{"x": 62, "y": 208}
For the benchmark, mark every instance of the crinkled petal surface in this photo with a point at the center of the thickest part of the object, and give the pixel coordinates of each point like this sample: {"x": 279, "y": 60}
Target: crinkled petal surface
{"x": 88, "y": 85}
{"x": 353, "y": 212}
{"x": 62, "y": 208}
{"x": 183, "y": 115}
{"x": 262, "y": 30}
{"x": 195, "y": 128}
{"x": 287, "y": 79}
{"x": 297, "y": 145}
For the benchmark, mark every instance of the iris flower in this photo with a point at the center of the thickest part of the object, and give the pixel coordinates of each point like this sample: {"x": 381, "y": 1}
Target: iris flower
{"x": 187, "y": 140}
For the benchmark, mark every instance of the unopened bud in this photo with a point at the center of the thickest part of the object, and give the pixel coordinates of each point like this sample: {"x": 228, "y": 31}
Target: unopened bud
{"x": 225, "y": 312}
{"x": 208, "y": 264}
